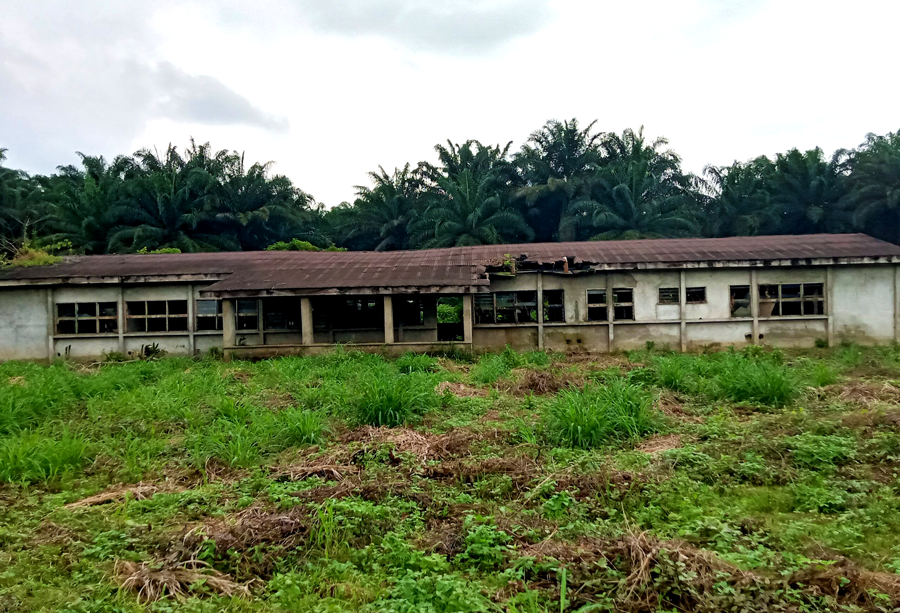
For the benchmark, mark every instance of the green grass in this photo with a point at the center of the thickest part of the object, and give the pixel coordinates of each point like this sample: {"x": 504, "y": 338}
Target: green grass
{"x": 761, "y": 463}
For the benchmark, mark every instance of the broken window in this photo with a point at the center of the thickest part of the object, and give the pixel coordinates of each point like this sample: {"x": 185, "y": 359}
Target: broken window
{"x": 247, "y": 315}
{"x": 623, "y": 303}
{"x": 791, "y": 299}
{"x": 668, "y": 295}
{"x": 157, "y": 315}
{"x": 596, "y": 305}
{"x": 554, "y": 306}
{"x": 361, "y": 313}
{"x": 209, "y": 315}
{"x": 506, "y": 307}
{"x": 87, "y": 318}
{"x": 695, "y": 295}
{"x": 411, "y": 311}
{"x": 740, "y": 300}
{"x": 281, "y": 313}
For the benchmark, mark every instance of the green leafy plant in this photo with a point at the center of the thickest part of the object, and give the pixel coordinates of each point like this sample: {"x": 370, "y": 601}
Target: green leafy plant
{"x": 392, "y": 401}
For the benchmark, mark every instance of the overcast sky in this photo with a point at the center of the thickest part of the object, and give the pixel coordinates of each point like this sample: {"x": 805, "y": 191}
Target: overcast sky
{"x": 330, "y": 89}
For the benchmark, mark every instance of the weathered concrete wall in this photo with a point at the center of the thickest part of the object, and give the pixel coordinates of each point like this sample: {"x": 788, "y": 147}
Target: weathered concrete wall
{"x": 863, "y": 304}
{"x": 593, "y": 338}
{"x": 628, "y": 337}
{"x": 522, "y": 338}
{"x": 23, "y": 324}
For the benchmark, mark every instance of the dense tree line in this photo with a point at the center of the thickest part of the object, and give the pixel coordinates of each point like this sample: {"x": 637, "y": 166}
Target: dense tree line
{"x": 567, "y": 182}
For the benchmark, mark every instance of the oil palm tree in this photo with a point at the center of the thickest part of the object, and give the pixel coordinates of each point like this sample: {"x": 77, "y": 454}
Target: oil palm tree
{"x": 739, "y": 203}
{"x": 807, "y": 191}
{"x": 875, "y": 192}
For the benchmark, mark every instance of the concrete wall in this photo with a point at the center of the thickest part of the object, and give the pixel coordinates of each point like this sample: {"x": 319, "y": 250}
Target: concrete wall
{"x": 861, "y": 306}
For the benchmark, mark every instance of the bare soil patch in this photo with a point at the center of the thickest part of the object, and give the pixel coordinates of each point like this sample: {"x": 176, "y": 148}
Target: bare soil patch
{"x": 656, "y": 444}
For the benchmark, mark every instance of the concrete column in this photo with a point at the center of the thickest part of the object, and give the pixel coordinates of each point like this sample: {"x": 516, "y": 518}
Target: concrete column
{"x": 682, "y": 302}
{"x": 51, "y": 325}
{"x": 829, "y": 305}
{"x": 467, "y": 300}
{"x": 896, "y": 305}
{"x": 610, "y": 314}
{"x": 121, "y": 321}
{"x": 227, "y": 326}
{"x": 192, "y": 319}
{"x": 306, "y": 321}
{"x": 388, "y": 320}
{"x": 754, "y": 306}
{"x": 260, "y": 321}
{"x": 540, "y": 310}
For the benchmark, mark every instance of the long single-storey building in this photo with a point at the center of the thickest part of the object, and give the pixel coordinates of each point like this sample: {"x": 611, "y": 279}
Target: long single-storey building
{"x": 684, "y": 294}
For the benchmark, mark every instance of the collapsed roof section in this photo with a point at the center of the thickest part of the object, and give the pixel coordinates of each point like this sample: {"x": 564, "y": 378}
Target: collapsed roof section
{"x": 452, "y": 270}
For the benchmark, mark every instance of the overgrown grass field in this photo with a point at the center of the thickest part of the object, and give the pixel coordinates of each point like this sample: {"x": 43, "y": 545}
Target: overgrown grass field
{"x": 752, "y": 480}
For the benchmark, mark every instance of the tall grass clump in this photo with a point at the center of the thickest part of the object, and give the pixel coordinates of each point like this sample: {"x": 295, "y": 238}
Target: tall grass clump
{"x": 416, "y": 362}
{"x": 394, "y": 400}
{"x": 675, "y": 373}
{"x": 742, "y": 379}
{"x": 38, "y": 457}
{"x": 588, "y": 418}
{"x": 489, "y": 369}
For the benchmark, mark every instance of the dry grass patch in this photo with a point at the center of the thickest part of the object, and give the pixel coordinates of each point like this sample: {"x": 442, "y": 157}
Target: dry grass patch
{"x": 460, "y": 390}
{"x": 658, "y": 443}
{"x": 542, "y": 382}
{"x": 120, "y": 492}
{"x": 863, "y": 393}
{"x": 424, "y": 446}
{"x": 155, "y": 582}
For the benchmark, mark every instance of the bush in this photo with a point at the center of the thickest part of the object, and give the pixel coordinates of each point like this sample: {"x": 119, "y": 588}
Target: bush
{"x": 392, "y": 401}
{"x": 588, "y": 418}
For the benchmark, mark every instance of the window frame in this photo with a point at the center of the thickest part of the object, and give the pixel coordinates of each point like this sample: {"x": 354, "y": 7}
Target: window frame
{"x": 168, "y": 317}
{"x": 515, "y": 306}
{"x": 624, "y": 304}
{"x": 268, "y": 303}
{"x": 96, "y": 318}
{"x": 218, "y": 324}
{"x": 659, "y": 298}
{"x": 688, "y": 290}
{"x": 598, "y": 305}
{"x": 731, "y": 300}
{"x": 238, "y": 316}
{"x": 547, "y": 306}
{"x": 802, "y": 299}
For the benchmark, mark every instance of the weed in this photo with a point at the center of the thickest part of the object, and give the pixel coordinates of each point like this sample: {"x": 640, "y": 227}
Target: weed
{"x": 416, "y": 362}
{"x": 489, "y": 369}
{"x": 818, "y": 451}
{"x": 39, "y": 457}
{"x": 392, "y": 401}
{"x": 587, "y": 418}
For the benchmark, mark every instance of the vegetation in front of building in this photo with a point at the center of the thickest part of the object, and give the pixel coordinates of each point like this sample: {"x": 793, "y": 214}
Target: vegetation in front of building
{"x": 753, "y": 480}
{"x": 567, "y": 182}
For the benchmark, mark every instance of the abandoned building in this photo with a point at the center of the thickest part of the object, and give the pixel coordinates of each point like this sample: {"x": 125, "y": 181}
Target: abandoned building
{"x": 684, "y": 294}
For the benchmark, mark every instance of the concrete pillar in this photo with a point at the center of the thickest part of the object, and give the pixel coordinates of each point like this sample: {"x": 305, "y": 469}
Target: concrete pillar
{"x": 467, "y": 300}
{"x": 610, "y": 314}
{"x": 540, "y": 310}
{"x": 829, "y": 305}
{"x": 192, "y": 319}
{"x": 51, "y": 326}
{"x": 388, "y": 320}
{"x": 227, "y": 327}
{"x": 306, "y": 321}
{"x": 682, "y": 302}
{"x": 754, "y": 306}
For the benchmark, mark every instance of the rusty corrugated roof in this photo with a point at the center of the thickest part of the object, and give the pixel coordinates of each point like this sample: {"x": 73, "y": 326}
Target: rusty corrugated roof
{"x": 458, "y": 266}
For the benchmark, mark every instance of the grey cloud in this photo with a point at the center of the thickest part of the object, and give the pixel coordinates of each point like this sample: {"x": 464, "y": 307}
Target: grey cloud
{"x": 462, "y": 26}
{"x": 205, "y": 99}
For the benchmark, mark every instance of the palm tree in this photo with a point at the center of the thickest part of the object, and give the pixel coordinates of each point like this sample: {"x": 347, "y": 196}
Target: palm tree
{"x": 380, "y": 215}
{"x": 464, "y": 199}
{"x": 808, "y": 192}
{"x": 558, "y": 163}
{"x": 633, "y": 202}
{"x": 739, "y": 202}
{"x": 875, "y": 181}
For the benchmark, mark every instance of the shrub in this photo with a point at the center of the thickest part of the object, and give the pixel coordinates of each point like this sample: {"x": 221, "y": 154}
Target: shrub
{"x": 587, "y": 418}
{"x": 392, "y": 401}
{"x": 416, "y": 362}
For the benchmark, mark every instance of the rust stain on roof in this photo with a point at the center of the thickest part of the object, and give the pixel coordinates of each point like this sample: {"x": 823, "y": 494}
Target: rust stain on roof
{"x": 458, "y": 266}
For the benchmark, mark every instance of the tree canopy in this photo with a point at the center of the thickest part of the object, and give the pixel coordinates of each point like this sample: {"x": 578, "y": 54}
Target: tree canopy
{"x": 568, "y": 181}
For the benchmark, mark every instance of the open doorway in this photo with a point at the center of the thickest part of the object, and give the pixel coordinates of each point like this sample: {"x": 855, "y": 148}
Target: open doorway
{"x": 450, "y": 319}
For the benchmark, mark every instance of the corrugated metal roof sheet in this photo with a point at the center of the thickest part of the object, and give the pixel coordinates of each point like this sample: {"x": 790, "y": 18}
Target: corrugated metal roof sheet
{"x": 458, "y": 266}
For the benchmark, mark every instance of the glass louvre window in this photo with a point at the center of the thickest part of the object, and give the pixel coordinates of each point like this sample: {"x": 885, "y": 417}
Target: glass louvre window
{"x": 484, "y": 308}
{"x": 791, "y": 299}
{"x": 281, "y": 313}
{"x": 209, "y": 315}
{"x": 668, "y": 295}
{"x": 623, "y": 304}
{"x": 156, "y": 315}
{"x": 554, "y": 306}
{"x": 740, "y": 300}
{"x": 506, "y": 307}
{"x": 596, "y": 305}
{"x": 695, "y": 295}
{"x": 87, "y": 318}
{"x": 247, "y": 315}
